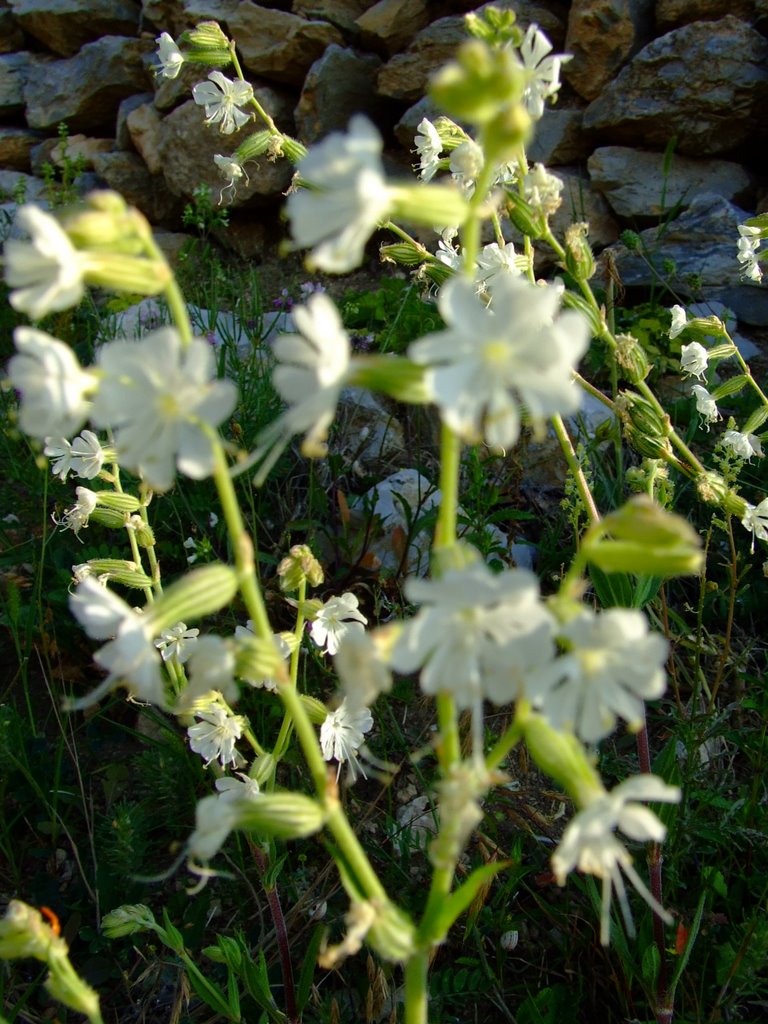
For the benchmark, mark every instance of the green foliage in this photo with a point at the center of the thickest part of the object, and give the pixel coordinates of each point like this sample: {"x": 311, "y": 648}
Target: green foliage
{"x": 395, "y": 314}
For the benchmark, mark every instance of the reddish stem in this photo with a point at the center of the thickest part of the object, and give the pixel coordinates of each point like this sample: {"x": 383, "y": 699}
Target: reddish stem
{"x": 276, "y": 910}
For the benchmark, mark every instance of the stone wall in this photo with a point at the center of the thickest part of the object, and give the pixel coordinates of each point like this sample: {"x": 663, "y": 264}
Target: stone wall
{"x": 646, "y": 75}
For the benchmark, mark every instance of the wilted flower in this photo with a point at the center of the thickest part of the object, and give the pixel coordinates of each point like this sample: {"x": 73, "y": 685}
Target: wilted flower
{"x": 589, "y": 843}
{"x": 84, "y": 457}
{"x": 169, "y": 57}
{"x": 429, "y": 146}
{"x": 706, "y": 406}
{"x": 76, "y": 518}
{"x": 222, "y": 99}
{"x": 232, "y": 169}
{"x": 744, "y": 445}
{"x": 54, "y": 388}
{"x": 155, "y": 394}
{"x": 214, "y": 737}
{"x": 241, "y": 788}
{"x": 347, "y": 199}
{"x": 755, "y": 519}
{"x": 178, "y": 642}
{"x": 542, "y": 190}
{"x": 47, "y": 271}
{"x": 337, "y": 617}
{"x": 749, "y": 243}
{"x": 489, "y": 357}
{"x": 694, "y": 359}
{"x": 543, "y": 72}
{"x": 342, "y": 734}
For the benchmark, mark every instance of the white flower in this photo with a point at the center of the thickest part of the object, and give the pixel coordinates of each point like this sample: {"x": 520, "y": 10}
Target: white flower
{"x": 215, "y": 817}
{"x": 130, "y": 658}
{"x": 47, "y": 272}
{"x": 214, "y": 737}
{"x": 543, "y": 72}
{"x": 447, "y": 253}
{"x": 248, "y": 632}
{"x": 231, "y": 169}
{"x": 589, "y": 843}
{"x": 211, "y": 667}
{"x": 155, "y": 394}
{"x": 489, "y": 358}
{"x": 349, "y": 197}
{"x": 84, "y": 457}
{"x": 429, "y": 146}
{"x": 178, "y": 642}
{"x": 466, "y": 163}
{"x": 241, "y": 788}
{"x": 169, "y": 57}
{"x": 222, "y": 100}
{"x": 494, "y": 262}
{"x": 679, "y": 320}
{"x": 611, "y": 665}
{"x": 361, "y": 668}
{"x": 312, "y": 369}
{"x": 749, "y": 243}
{"x": 338, "y": 616}
{"x": 54, "y": 387}
{"x": 694, "y": 359}
{"x": 342, "y": 734}
{"x": 477, "y": 634}
{"x": 744, "y": 445}
{"x": 756, "y": 519}
{"x": 76, "y": 518}
{"x": 706, "y": 406}
{"x": 542, "y": 190}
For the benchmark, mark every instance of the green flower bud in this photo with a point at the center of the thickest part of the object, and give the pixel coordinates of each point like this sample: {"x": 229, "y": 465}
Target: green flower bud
{"x": 479, "y": 83}
{"x": 283, "y": 815}
{"x": 392, "y": 934}
{"x": 532, "y": 223}
{"x": 24, "y": 933}
{"x": 127, "y": 920}
{"x": 206, "y": 44}
{"x": 117, "y": 500}
{"x": 298, "y": 567}
{"x": 395, "y": 376}
{"x": 292, "y": 149}
{"x": 645, "y": 428}
{"x": 729, "y": 387}
{"x": 201, "y": 592}
{"x": 407, "y": 254}
{"x": 507, "y": 132}
{"x": 571, "y": 300}
{"x": 494, "y": 26}
{"x": 451, "y": 134}
{"x": 121, "y": 571}
{"x": 429, "y": 205}
{"x": 315, "y": 708}
{"x": 110, "y": 518}
{"x": 631, "y": 357}
{"x": 561, "y": 756}
{"x": 258, "y": 658}
{"x": 579, "y": 260}
{"x": 255, "y": 145}
{"x": 122, "y": 273}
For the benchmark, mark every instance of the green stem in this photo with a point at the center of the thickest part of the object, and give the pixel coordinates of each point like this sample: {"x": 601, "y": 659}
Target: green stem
{"x": 173, "y": 295}
{"x": 450, "y": 464}
{"x": 573, "y": 464}
{"x": 416, "y": 988}
{"x": 504, "y": 745}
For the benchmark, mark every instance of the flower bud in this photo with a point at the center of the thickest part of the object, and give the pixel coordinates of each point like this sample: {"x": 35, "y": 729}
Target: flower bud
{"x": 407, "y": 254}
{"x": 729, "y": 387}
{"x": 392, "y": 934}
{"x": 645, "y": 428}
{"x": 121, "y": 273}
{"x": 298, "y": 567}
{"x": 24, "y": 933}
{"x": 579, "y": 260}
{"x": 631, "y": 357}
{"x": 283, "y": 815}
{"x": 255, "y": 145}
{"x": 110, "y": 518}
{"x": 316, "y": 710}
{"x": 531, "y": 222}
{"x": 127, "y": 920}
{"x": 429, "y": 204}
{"x": 396, "y": 376}
{"x": 561, "y": 756}
{"x": 479, "y": 83}
{"x": 118, "y": 569}
{"x": 258, "y": 658}
{"x": 207, "y": 44}
{"x": 596, "y": 319}
{"x": 292, "y": 149}
{"x": 201, "y": 592}
{"x": 507, "y": 132}
{"x": 117, "y": 500}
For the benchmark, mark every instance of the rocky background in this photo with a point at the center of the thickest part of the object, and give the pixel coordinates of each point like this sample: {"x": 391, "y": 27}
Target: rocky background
{"x": 686, "y": 77}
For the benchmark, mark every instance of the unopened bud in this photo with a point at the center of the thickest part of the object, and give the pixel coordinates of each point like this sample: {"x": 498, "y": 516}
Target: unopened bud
{"x": 392, "y": 934}
{"x": 396, "y": 376}
{"x": 645, "y": 428}
{"x": 579, "y": 260}
{"x": 118, "y": 569}
{"x": 298, "y": 567}
{"x": 201, "y": 592}
{"x": 429, "y": 204}
{"x": 479, "y": 83}
{"x": 529, "y": 221}
{"x": 563, "y": 758}
{"x": 283, "y": 815}
{"x": 255, "y": 145}
{"x": 406, "y": 254}
{"x": 631, "y": 357}
{"x": 127, "y": 920}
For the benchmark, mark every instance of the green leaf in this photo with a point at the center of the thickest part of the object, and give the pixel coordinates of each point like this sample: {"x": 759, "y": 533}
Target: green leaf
{"x": 435, "y": 927}
{"x": 304, "y": 985}
{"x": 208, "y": 991}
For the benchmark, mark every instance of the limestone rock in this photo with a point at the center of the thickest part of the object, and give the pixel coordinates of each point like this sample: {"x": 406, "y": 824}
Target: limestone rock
{"x": 390, "y": 25}
{"x": 86, "y": 90}
{"x": 582, "y": 203}
{"x": 127, "y": 174}
{"x": 166, "y": 16}
{"x": 26, "y": 186}
{"x": 560, "y": 138}
{"x": 706, "y": 83}
{"x": 78, "y": 148}
{"x": 673, "y": 13}
{"x": 602, "y": 35}
{"x": 280, "y": 46}
{"x": 14, "y": 72}
{"x": 701, "y": 242}
{"x": 144, "y": 128}
{"x": 341, "y": 13}
{"x": 63, "y": 26}
{"x": 16, "y": 144}
{"x": 368, "y": 430}
{"x": 186, "y": 149}
{"x": 633, "y": 181}
{"x": 341, "y": 83}
{"x": 122, "y": 135}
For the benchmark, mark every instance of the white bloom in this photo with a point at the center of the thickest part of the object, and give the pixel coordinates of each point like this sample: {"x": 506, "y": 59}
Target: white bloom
{"x": 361, "y": 668}
{"x": 47, "y": 272}
{"x": 477, "y": 634}
{"x": 178, "y": 642}
{"x": 755, "y": 519}
{"x": 679, "y": 320}
{"x": 694, "y": 359}
{"x": 222, "y": 100}
{"x": 744, "y": 445}
{"x": 542, "y": 190}
{"x": 543, "y": 72}
{"x": 215, "y": 817}
{"x": 214, "y": 737}
{"x": 338, "y": 616}
{"x": 706, "y": 406}
{"x": 54, "y": 387}
{"x": 169, "y": 57}
{"x": 312, "y": 369}
{"x": 491, "y": 359}
{"x": 241, "y": 788}
{"x": 495, "y": 262}
{"x": 84, "y": 457}
{"x": 449, "y": 254}
{"x": 429, "y": 146}
{"x": 155, "y": 394}
{"x": 611, "y": 665}
{"x": 76, "y": 518}
{"x": 342, "y": 734}
{"x": 211, "y": 667}
{"x": 130, "y": 658}
{"x": 231, "y": 169}
{"x": 466, "y": 163}
{"x": 589, "y": 843}
{"x": 749, "y": 243}
{"x": 348, "y": 199}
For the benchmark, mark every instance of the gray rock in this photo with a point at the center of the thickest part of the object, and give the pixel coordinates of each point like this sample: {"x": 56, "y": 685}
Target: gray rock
{"x": 127, "y": 174}
{"x": 405, "y": 129}
{"x": 86, "y": 90}
{"x": 14, "y": 72}
{"x": 702, "y": 243}
{"x": 341, "y": 83}
{"x": 706, "y": 83}
{"x": 369, "y": 432}
{"x": 77, "y": 148}
{"x": 634, "y": 183}
{"x": 29, "y": 188}
{"x": 16, "y": 144}
{"x": 63, "y": 26}
{"x": 390, "y": 25}
{"x": 122, "y": 134}
{"x": 560, "y": 138}
{"x": 341, "y": 13}
{"x": 11, "y": 36}
{"x": 602, "y": 36}
{"x": 280, "y": 46}
{"x": 673, "y": 13}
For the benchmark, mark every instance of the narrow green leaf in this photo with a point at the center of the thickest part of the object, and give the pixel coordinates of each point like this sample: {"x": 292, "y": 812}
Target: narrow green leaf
{"x": 436, "y": 927}
{"x": 306, "y": 977}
